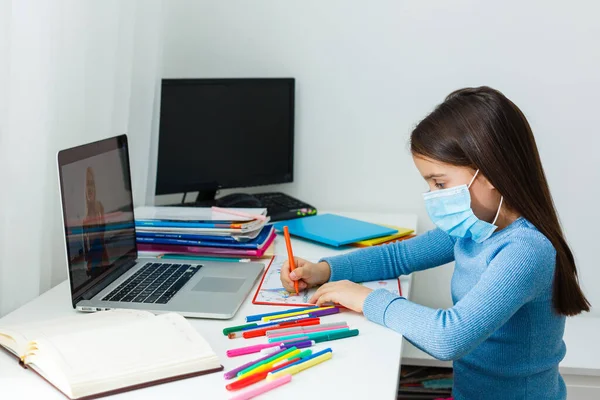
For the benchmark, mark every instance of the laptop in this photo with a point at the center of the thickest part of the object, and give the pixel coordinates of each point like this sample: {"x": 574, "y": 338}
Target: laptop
{"x": 104, "y": 268}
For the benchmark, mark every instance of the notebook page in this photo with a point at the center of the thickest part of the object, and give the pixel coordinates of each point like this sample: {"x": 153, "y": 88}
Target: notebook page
{"x": 115, "y": 356}
{"x": 13, "y": 345}
{"x": 24, "y": 333}
{"x": 271, "y": 291}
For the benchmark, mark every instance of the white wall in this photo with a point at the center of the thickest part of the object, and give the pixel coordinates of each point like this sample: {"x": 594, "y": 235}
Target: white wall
{"x": 374, "y": 69}
{"x": 71, "y": 72}
{"x": 108, "y": 61}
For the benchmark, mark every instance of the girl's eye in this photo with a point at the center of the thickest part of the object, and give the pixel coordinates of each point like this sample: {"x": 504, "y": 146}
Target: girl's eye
{"x": 439, "y": 185}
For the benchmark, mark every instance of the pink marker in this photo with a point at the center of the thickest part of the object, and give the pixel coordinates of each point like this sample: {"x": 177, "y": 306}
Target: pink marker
{"x": 252, "y": 393}
{"x": 250, "y": 349}
{"x": 312, "y": 330}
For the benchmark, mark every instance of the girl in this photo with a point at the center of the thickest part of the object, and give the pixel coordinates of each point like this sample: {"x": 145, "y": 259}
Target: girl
{"x": 514, "y": 278}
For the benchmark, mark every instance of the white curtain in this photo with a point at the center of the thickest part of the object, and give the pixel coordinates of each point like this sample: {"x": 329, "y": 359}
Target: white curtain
{"x": 71, "y": 72}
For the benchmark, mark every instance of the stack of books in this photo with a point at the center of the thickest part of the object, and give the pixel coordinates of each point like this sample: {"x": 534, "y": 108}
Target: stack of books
{"x": 231, "y": 232}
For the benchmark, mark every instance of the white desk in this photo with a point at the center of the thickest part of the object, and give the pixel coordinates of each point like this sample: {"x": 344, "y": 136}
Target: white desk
{"x": 366, "y": 366}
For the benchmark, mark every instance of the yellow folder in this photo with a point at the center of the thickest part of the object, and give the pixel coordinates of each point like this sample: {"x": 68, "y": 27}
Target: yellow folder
{"x": 376, "y": 241}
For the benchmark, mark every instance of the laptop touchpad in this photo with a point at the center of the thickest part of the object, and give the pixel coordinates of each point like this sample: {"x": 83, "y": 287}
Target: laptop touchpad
{"x": 214, "y": 284}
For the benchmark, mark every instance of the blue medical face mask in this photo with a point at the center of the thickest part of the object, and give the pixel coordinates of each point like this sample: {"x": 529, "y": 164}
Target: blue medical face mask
{"x": 450, "y": 209}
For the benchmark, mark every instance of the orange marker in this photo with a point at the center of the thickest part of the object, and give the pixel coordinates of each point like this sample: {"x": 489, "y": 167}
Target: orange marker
{"x": 288, "y": 244}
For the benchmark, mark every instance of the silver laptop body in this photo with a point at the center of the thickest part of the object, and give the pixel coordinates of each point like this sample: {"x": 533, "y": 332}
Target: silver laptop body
{"x": 102, "y": 259}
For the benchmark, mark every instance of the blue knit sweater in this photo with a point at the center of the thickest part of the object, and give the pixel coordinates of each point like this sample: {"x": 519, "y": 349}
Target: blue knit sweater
{"x": 502, "y": 333}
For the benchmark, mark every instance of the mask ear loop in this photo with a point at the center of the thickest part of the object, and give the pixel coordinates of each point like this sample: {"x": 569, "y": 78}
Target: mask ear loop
{"x": 501, "y": 198}
{"x": 473, "y": 179}
{"x": 498, "y": 212}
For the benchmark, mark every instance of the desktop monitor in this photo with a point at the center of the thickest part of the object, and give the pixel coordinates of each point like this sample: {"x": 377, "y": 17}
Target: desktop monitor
{"x": 224, "y": 133}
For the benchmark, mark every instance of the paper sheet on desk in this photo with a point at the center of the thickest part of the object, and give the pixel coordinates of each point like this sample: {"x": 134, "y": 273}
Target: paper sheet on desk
{"x": 271, "y": 291}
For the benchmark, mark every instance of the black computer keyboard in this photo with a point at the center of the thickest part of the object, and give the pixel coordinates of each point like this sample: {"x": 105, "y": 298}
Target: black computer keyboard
{"x": 280, "y": 206}
{"x": 153, "y": 283}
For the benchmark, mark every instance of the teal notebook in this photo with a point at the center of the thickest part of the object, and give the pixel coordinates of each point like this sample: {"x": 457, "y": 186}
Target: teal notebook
{"x": 334, "y": 230}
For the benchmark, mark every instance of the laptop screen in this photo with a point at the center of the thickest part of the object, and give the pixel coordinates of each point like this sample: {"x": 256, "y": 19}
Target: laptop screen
{"x": 98, "y": 213}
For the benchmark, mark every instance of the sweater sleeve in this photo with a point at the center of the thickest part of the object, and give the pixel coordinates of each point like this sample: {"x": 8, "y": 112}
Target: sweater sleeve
{"x": 516, "y": 275}
{"x": 429, "y": 250}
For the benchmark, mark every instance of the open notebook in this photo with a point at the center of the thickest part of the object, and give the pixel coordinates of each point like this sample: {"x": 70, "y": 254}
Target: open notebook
{"x": 94, "y": 355}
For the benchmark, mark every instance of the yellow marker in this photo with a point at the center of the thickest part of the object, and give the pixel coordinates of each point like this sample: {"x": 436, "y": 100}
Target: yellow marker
{"x": 269, "y": 365}
{"x": 294, "y": 369}
{"x": 293, "y": 314}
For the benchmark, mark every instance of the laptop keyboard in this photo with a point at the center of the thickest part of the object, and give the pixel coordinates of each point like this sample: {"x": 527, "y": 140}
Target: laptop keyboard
{"x": 153, "y": 283}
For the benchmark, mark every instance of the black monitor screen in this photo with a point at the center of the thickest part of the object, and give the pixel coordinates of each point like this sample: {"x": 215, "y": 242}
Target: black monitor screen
{"x": 225, "y": 133}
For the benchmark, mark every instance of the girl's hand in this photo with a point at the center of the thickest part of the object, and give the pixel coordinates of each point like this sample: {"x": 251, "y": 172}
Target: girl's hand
{"x": 348, "y": 294}
{"x": 307, "y": 274}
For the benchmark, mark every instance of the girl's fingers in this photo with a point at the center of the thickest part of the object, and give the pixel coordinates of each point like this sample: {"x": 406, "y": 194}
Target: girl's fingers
{"x": 321, "y": 291}
{"x": 329, "y": 297}
{"x": 316, "y": 296}
{"x": 285, "y": 276}
{"x": 287, "y": 284}
{"x": 288, "y": 287}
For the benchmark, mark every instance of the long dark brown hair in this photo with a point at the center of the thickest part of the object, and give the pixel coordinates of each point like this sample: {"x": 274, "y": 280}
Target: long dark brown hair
{"x": 482, "y": 129}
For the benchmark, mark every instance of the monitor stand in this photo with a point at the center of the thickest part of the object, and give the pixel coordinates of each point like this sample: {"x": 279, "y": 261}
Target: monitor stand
{"x": 206, "y": 197}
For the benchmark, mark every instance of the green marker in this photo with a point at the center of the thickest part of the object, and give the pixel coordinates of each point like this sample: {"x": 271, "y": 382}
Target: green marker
{"x": 335, "y": 336}
{"x": 227, "y": 331}
{"x": 268, "y": 360}
{"x": 279, "y": 339}
{"x": 302, "y": 354}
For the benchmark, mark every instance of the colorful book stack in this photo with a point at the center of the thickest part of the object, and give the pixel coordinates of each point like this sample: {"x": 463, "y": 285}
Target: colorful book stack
{"x": 216, "y": 232}
{"x": 290, "y": 334}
